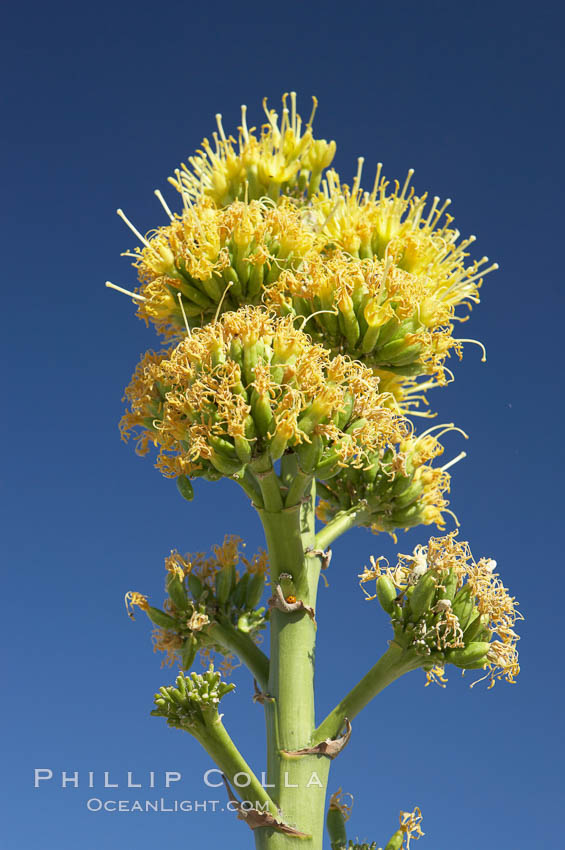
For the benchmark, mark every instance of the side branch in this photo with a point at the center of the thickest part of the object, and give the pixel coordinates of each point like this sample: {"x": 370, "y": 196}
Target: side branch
{"x": 340, "y": 524}
{"x": 393, "y": 664}
{"x": 246, "y": 650}
{"x": 218, "y": 744}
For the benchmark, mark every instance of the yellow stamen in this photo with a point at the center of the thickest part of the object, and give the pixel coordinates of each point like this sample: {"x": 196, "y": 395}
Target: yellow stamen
{"x": 125, "y": 291}
{"x": 164, "y": 204}
{"x": 179, "y": 296}
{"x": 133, "y": 229}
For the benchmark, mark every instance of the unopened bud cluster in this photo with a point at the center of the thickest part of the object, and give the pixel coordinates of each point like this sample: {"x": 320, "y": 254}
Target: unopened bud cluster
{"x": 194, "y": 699}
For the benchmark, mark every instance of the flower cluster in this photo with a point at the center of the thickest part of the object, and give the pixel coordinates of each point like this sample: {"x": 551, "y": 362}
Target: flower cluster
{"x": 399, "y": 488}
{"x": 449, "y": 609}
{"x": 283, "y": 159}
{"x": 207, "y": 598}
{"x": 378, "y": 275}
{"x": 395, "y": 223}
{"x": 251, "y": 385}
{"x": 207, "y": 260}
{"x": 388, "y": 318}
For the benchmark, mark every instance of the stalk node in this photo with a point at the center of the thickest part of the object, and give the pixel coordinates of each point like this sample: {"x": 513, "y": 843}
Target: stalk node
{"x": 278, "y": 600}
{"x": 331, "y": 747}
{"x": 256, "y": 819}
{"x": 325, "y": 556}
{"x": 260, "y": 696}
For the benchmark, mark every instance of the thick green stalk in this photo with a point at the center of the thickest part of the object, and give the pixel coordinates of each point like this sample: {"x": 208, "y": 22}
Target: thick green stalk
{"x": 299, "y": 782}
{"x": 393, "y": 664}
{"x": 242, "y": 646}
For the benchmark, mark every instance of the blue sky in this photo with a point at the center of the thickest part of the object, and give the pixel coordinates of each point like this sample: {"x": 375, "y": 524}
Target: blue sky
{"x": 101, "y": 102}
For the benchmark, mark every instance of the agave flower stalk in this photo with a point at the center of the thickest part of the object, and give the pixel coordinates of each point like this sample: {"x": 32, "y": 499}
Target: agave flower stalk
{"x": 303, "y": 323}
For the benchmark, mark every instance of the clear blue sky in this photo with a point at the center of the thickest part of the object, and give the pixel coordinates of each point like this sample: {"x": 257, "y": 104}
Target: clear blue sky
{"x": 100, "y": 102}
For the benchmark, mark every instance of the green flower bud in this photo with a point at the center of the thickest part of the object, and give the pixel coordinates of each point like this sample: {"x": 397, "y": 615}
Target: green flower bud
{"x": 463, "y": 605}
{"x": 261, "y": 413}
{"x": 239, "y": 594}
{"x": 309, "y": 454}
{"x": 471, "y": 654}
{"x": 386, "y": 593}
{"x": 224, "y": 464}
{"x": 396, "y": 841}
{"x": 188, "y": 652}
{"x": 195, "y": 586}
{"x": 476, "y": 626}
{"x": 160, "y": 618}
{"x": 335, "y": 823}
{"x": 423, "y": 595}
{"x": 449, "y": 582}
{"x": 225, "y": 582}
{"x": 185, "y": 488}
{"x": 255, "y": 588}
{"x": 177, "y": 592}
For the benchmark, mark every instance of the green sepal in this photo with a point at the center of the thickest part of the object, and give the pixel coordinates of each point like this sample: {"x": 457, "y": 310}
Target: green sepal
{"x": 328, "y": 467}
{"x": 236, "y": 351}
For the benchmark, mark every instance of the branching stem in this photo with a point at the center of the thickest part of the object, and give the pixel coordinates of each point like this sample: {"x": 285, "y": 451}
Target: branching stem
{"x": 393, "y": 664}
{"x": 340, "y": 524}
{"x": 246, "y": 650}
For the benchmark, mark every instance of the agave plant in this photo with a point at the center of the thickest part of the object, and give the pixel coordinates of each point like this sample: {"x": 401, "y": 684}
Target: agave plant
{"x": 303, "y": 323}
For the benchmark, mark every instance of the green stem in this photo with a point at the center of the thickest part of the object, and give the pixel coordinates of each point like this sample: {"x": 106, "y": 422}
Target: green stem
{"x": 249, "y": 483}
{"x": 246, "y": 650}
{"x": 393, "y": 664}
{"x": 270, "y": 489}
{"x": 297, "y": 488}
{"x": 299, "y": 782}
{"x": 218, "y": 744}
{"x": 340, "y": 524}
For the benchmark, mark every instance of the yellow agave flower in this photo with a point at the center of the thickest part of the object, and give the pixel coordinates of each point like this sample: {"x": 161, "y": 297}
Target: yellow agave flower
{"x": 207, "y": 260}
{"x": 250, "y": 385}
{"x": 282, "y": 159}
